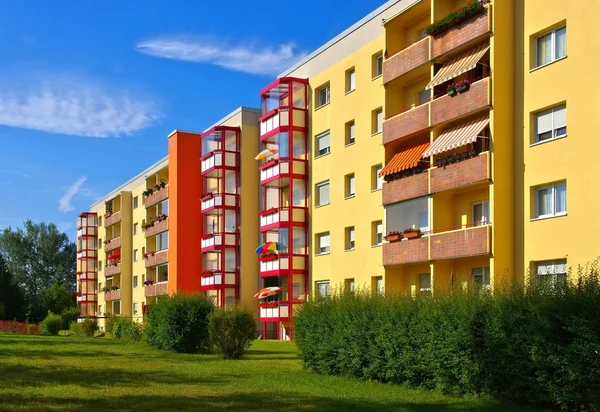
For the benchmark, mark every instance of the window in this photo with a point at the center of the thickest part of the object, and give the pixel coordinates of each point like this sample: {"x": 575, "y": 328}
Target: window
{"x": 135, "y": 202}
{"x": 350, "y": 133}
{"x": 551, "y": 200}
{"x": 377, "y": 65}
{"x": 143, "y": 250}
{"x": 349, "y": 238}
{"x": 162, "y": 273}
{"x": 162, "y": 241}
{"x": 376, "y": 180}
{"x": 100, "y": 310}
{"x": 481, "y": 278}
{"x": 377, "y": 233}
{"x": 323, "y": 243}
{"x": 323, "y": 95}
{"x": 100, "y": 241}
{"x": 135, "y": 281}
{"x": 551, "y": 47}
{"x": 551, "y": 272}
{"x": 349, "y": 285}
{"x": 350, "y": 80}
{"x": 136, "y": 255}
{"x": 116, "y": 307}
{"x": 162, "y": 208}
{"x": 135, "y": 308}
{"x": 135, "y": 228}
{"x": 323, "y": 144}
{"x": 349, "y": 184}
{"x": 377, "y": 121}
{"x": 411, "y": 213}
{"x": 481, "y": 213}
{"x": 425, "y": 283}
{"x": 322, "y": 289}
{"x": 99, "y": 265}
{"x": 322, "y": 193}
{"x": 99, "y": 220}
{"x": 424, "y": 96}
{"x": 551, "y": 124}
{"x": 377, "y": 282}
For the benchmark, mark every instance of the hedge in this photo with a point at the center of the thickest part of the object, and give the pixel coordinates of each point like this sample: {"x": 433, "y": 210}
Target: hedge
{"x": 232, "y": 331}
{"x": 534, "y": 345}
{"x": 87, "y": 328}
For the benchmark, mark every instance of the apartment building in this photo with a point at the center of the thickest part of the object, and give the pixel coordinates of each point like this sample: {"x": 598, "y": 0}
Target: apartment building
{"x": 423, "y": 150}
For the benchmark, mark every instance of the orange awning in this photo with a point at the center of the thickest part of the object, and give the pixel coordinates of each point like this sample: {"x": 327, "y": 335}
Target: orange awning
{"x": 458, "y": 136}
{"x": 407, "y": 158}
{"x": 458, "y": 65}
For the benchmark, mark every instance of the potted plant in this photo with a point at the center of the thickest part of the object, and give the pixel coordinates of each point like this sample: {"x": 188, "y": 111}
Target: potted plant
{"x": 456, "y": 17}
{"x": 412, "y": 233}
{"x": 393, "y": 236}
{"x": 148, "y": 282}
{"x": 451, "y": 90}
{"x": 162, "y": 184}
{"x": 462, "y": 86}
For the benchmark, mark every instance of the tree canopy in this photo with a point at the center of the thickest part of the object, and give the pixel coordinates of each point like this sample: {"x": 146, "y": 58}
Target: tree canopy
{"x": 12, "y": 302}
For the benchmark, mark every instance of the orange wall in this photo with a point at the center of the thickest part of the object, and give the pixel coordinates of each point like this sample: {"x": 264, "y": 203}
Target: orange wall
{"x": 185, "y": 229}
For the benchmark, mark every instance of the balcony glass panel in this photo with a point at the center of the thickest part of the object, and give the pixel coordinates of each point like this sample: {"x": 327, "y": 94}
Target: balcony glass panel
{"x": 299, "y": 241}
{"x": 409, "y": 214}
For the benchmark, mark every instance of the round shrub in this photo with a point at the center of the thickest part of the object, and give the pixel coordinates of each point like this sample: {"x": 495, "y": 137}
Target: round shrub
{"x": 126, "y": 329}
{"x": 52, "y": 324}
{"x": 83, "y": 329}
{"x": 232, "y": 331}
{"x": 180, "y": 323}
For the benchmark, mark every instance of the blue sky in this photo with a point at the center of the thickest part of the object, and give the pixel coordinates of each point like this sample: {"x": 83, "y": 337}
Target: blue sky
{"x": 90, "y": 90}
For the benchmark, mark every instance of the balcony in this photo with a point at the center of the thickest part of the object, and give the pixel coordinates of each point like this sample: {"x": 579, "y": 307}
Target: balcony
{"x": 158, "y": 289}
{"x": 405, "y": 124}
{"x": 157, "y": 196}
{"x": 158, "y": 227}
{"x": 112, "y": 295}
{"x": 218, "y": 159}
{"x": 273, "y": 120}
{"x": 216, "y": 201}
{"x": 211, "y": 280}
{"x": 276, "y": 218}
{"x": 447, "y": 108}
{"x": 157, "y": 258}
{"x": 112, "y": 244}
{"x": 112, "y": 270}
{"x": 460, "y": 243}
{"x": 216, "y": 241}
{"x": 410, "y": 58}
{"x": 87, "y": 297}
{"x": 277, "y": 266}
{"x": 463, "y": 173}
{"x": 87, "y": 254}
{"x": 274, "y": 311}
{"x": 406, "y": 188}
{"x": 112, "y": 219}
{"x": 469, "y": 30}
{"x": 87, "y": 231}
{"x": 406, "y": 251}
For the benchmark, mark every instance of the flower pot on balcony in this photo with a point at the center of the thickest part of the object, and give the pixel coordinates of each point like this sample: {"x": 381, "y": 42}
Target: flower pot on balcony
{"x": 462, "y": 87}
{"x": 397, "y": 237}
{"x": 412, "y": 235}
{"x": 452, "y": 92}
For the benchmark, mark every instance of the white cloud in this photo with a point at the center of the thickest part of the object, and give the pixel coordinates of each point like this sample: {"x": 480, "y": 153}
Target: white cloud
{"x": 74, "y": 106}
{"x": 244, "y": 58}
{"x": 64, "y": 204}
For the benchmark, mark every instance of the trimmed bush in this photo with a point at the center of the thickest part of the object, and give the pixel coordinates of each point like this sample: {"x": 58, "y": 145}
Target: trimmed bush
{"x": 83, "y": 329}
{"x": 126, "y": 329}
{"x": 180, "y": 323}
{"x": 52, "y": 324}
{"x": 232, "y": 331}
{"x": 538, "y": 346}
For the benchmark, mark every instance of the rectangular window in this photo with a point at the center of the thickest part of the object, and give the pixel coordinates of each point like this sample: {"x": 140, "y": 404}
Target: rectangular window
{"x": 135, "y": 308}
{"x": 425, "y": 283}
{"x": 551, "y": 200}
{"x": 350, "y": 243}
{"x": 323, "y": 243}
{"x": 322, "y": 288}
{"x": 99, "y": 220}
{"x": 99, "y": 265}
{"x": 162, "y": 241}
{"x": 551, "y": 124}
{"x": 135, "y": 281}
{"x": 323, "y": 141}
{"x": 377, "y": 121}
{"x": 412, "y": 213}
{"x": 162, "y": 273}
{"x": 116, "y": 307}
{"x": 99, "y": 310}
{"x": 136, "y": 255}
{"x": 551, "y": 272}
{"x": 135, "y": 202}
{"x": 162, "y": 208}
{"x": 350, "y": 80}
{"x": 551, "y": 46}
{"x": 377, "y": 233}
{"x": 377, "y": 281}
{"x": 481, "y": 278}
{"x": 349, "y": 285}
{"x": 481, "y": 213}
{"x": 322, "y": 193}
{"x": 376, "y": 180}
{"x": 350, "y": 133}
{"x": 349, "y": 184}
{"x": 143, "y": 250}
{"x": 135, "y": 228}
{"x": 424, "y": 96}
{"x": 377, "y": 65}
{"x": 323, "y": 95}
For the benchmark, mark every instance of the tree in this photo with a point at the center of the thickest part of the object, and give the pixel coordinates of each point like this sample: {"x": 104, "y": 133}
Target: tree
{"x": 57, "y": 298}
{"x": 12, "y": 303}
{"x": 39, "y": 256}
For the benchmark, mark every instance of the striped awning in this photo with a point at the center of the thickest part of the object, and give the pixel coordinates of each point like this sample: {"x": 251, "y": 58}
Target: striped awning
{"x": 407, "y": 158}
{"x": 458, "y": 65}
{"x": 458, "y": 136}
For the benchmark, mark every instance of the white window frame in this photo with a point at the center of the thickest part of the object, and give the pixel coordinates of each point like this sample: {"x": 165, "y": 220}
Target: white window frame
{"x": 135, "y": 308}
{"x": 484, "y": 273}
{"x": 136, "y": 255}
{"x": 553, "y": 57}
{"x": 323, "y": 95}
{"x": 351, "y": 133}
{"x": 325, "y": 284}
{"x": 378, "y": 126}
{"x": 556, "y": 264}
{"x": 378, "y": 233}
{"x": 135, "y": 281}
{"x": 351, "y": 80}
{"x": 326, "y": 150}
{"x": 324, "y": 238}
{"x": 378, "y": 65}
{"x": 351, "y": 285}
{"x": 318, "y": 187}
{"x": 350, "y": 185}
{"x": 554, "y": 130}
{"x": 136, "y": 202}
{"x": 379, "y": 285}
{"x": 135, "y": 228}
{"x": 351, "y": 238}
{"x": 378, "y": 180}
{"x": 485, "y": 205}
{"x": 554, "y": 199}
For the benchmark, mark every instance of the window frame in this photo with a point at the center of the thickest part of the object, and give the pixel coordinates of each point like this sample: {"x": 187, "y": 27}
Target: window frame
{"x": 135, "y": 281}
{"x": 135, "y": 229}
{"x": 350, "y": 80}
{"x": 326, "y": 87}
{"x": 327, "y": 150}
{"x": 554, "y": 275}
{"x": 425, "y": 289}
{"x": 350, "y": 238}
{"x": 318, "y": 202}
{"x": 350, "y": 138}
{"x": 136, "y": 255}
{"x": 554, "y": 199}
{"x": 376, "y": 180}
{"x": 485, "y": 204}
{"x": 349, "y": 186}
{"x": 553, "y": 57}
{"x": 377, "y": 236}
{"x": 375, "y": 129}
{"x": 554, "y": 129}
{"x": 377, "y": 65}
{"x": 136, "y": 202}
{"x": 320, "y": 248}
{"x": 318, "y": 285}
{"x": 484, "y": 271}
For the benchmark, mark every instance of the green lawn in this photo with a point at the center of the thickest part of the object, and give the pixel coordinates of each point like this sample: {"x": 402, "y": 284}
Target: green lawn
{"x": 65, "y": 373}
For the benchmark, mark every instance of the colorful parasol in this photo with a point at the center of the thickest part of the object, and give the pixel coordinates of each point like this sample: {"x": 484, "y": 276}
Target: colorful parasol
{"x": 270, "y": 247}
{"x": 113, "y": 257}
{"x": 266, "y": 153}
{"x": 266, "y": 292}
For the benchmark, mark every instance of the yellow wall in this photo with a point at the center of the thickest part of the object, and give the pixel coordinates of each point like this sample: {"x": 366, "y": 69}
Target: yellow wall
{"x": 365, "y": 261}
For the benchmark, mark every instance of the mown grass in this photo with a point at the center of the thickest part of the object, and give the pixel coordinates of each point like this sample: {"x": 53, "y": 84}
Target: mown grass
{"x": 39, "y": 373}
